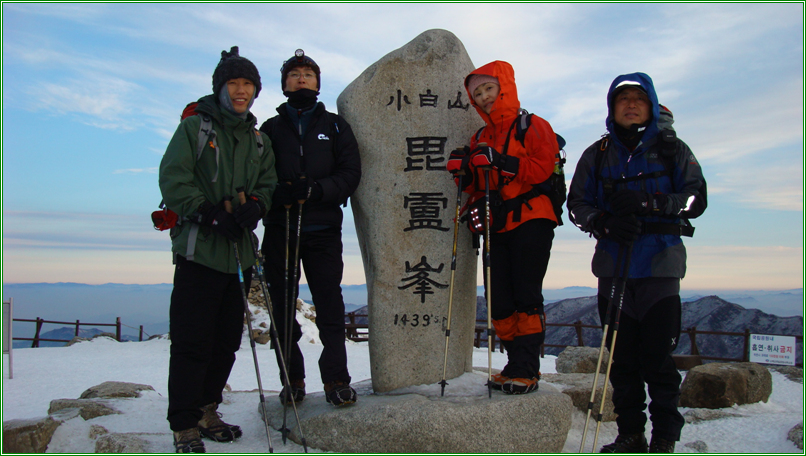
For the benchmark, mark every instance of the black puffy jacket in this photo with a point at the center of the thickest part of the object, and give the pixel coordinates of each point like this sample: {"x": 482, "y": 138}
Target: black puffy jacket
{"x": 327, "y": 154}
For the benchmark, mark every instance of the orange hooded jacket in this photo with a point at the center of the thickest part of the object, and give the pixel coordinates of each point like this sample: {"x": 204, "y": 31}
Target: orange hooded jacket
{"x": 537, "y": 155}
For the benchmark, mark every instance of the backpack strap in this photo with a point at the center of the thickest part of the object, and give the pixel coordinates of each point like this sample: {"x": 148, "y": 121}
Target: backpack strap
{"x": 666, "y": 155}
{"x": 522, "y": 124}
{"x": 208, "y": 134}
{"x": 259, "y": 137}
{"x": 478, "y": 134}
{"x": 669, "y": 150}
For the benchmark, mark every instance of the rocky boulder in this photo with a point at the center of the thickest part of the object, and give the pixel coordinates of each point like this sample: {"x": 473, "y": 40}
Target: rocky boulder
{"x": 795, "y": 435}
{"x": 32, "y": 436}
{"x": 581, "y": 360}
{"x": 121, "y": 443}
{"x": 416, "y": 423}
{"x": 578, "y": 387}
{"x": 115, "y": 389}
{"x": 719, "y": 385}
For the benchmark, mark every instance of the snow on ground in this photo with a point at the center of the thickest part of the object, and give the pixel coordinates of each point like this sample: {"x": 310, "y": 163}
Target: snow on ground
{"x": 44, "y": 374}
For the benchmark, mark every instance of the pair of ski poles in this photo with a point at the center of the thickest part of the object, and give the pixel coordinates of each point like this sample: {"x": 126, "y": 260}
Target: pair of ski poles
{"x": 488, "y": 288}
{"x": 290, "y": 311}
{"x": 272, "y": 325}
{"x": 620, "y": 282}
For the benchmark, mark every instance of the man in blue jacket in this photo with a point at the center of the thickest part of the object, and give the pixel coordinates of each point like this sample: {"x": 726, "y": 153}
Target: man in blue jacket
{"x": 634, "y": 191}
{"x": 318, "y": 168}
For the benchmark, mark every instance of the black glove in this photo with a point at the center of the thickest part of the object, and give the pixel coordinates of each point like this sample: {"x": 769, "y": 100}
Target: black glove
{"x": 249, "y": 213}
{"x": 220, "y": 221}
{"x": 626, "y": 202}
{"x": 623, "y": 230}
{"x": 304, "y": 189}
{"x": 284, "y": 194}
{"x": 458, "y": 164}
{"x": 487, "y": 156}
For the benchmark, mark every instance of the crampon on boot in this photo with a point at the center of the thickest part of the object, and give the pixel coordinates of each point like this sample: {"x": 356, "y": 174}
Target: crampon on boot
{"x": 629, "y": 443}
{"x": 340, "y": 393}
{"x": 520, "y": 385}
{"x": 498, "y": 380}
{"x": 212, "y": 427}
{"x": 188, "y": 441}
{"x": 297, "y": 392}
{"x": 660, "y": 445}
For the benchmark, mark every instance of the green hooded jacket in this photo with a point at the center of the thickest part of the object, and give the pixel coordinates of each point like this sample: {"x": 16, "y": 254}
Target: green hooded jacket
{"x": 186, "y": 182}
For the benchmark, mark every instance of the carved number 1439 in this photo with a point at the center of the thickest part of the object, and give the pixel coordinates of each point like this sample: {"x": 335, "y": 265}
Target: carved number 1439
{"x": 415, "y": 320}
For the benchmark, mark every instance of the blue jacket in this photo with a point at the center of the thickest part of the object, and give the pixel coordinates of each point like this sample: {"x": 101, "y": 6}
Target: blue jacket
{"x": 654, "y": 255}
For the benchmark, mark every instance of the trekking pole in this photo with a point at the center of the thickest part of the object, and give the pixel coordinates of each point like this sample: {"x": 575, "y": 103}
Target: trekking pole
{"x": 488, "y": 278}
{"x": 285, "y": 350}
{"x": 272, "y": 326}
{"x": 228, "y": 208}
{"x": 619, "y": 259}
{"x": 291, "y": 310}
{"x": 623, "y": 285}
{"x": 453, "y": 275}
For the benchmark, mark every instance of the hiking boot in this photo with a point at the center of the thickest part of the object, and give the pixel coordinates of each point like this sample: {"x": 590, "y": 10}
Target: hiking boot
{"x": 659, "y": 445}
{"x": 497, "y": 381}
{"x": 297, "y": 392}
{"x": 213, "y": 428}
{"x": 630, "y": 443}
{"x": 520, "y": 385}
{"x": 188, "y": 441}
{"x": 340, "y": 394}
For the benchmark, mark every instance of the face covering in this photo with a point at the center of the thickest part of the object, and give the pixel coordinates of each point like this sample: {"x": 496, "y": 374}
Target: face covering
{"x": 302, "y": 98}
{"x": 226, "y": 103}
{"x": 630, "y": 137}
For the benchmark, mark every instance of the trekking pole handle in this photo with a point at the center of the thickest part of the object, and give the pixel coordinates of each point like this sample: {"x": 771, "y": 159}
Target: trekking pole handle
{"x": 302, "y": 201}
{"x": 228, "y": 204}
{"x": 483, "y": 144}
{"x": 241, "y": 195}
{"x": 287, "y": 206}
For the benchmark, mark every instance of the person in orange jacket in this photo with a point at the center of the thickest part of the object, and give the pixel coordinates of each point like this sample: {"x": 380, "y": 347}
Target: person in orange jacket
{"x": 523, "y": 219}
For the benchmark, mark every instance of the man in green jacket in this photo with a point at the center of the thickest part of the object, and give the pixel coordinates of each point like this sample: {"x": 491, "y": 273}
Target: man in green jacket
{"x": 206, "y": 315}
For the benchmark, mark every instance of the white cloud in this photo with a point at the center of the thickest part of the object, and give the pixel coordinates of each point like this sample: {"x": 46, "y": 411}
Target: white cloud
{"x": 154, "y": 170}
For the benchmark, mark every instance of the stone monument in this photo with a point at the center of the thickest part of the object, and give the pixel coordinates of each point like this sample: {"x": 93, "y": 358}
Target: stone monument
{"x": 408, "y": 111}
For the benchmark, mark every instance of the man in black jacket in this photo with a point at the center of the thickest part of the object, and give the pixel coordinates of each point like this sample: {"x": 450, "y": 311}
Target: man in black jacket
{"x": 318, "y": 168}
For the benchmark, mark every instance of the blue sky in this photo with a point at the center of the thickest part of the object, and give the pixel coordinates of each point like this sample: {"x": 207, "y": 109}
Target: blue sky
{"x": 93, "y": 92}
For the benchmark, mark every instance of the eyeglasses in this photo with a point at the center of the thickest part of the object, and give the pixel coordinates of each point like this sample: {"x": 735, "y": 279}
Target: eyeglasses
{"x": 297, "y": 75}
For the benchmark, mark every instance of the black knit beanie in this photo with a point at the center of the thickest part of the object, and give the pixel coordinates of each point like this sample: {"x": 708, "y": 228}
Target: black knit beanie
{"x": 232, "y": 66}
{"x": 299, "y": 60}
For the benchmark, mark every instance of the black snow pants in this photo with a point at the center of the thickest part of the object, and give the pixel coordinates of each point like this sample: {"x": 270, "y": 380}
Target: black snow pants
{"x": 320, "y": 253}
{"x": 642, "y": 360}
{"x": 519, "y": 260}
{"x": 207, "y": 315}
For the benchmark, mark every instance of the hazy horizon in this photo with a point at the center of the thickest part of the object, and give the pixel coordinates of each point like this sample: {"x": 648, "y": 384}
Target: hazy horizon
{"x": 92, "y": 94}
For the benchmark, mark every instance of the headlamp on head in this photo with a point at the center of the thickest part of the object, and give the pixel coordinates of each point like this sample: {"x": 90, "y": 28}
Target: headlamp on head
{"x": 299, "y": 60}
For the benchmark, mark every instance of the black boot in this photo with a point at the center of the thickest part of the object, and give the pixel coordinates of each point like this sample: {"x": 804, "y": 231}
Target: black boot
{"x": 297, "y": 392}
{"x": 629, "y": 443}
{"x": 660, "y": 445}
{"x": 340, "y": 393}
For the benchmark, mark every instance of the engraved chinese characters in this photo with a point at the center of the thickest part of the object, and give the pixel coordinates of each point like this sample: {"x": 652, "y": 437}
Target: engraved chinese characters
{"x": 408, "y": 111}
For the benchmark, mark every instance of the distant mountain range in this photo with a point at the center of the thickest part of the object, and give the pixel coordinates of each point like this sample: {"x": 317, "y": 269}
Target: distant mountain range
{"x": 148, "y": 305}
{"x": 66, "y": 334}
{"x": 709, "y": 313}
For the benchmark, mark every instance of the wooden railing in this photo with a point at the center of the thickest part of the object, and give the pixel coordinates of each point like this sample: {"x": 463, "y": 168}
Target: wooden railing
{"x": 40, "y": 322}
{"x": 357, "y": 332}
{"x": 360, "y": 332}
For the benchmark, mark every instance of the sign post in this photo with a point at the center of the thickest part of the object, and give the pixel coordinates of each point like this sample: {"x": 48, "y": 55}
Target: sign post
{"x": 769, "y": 349}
